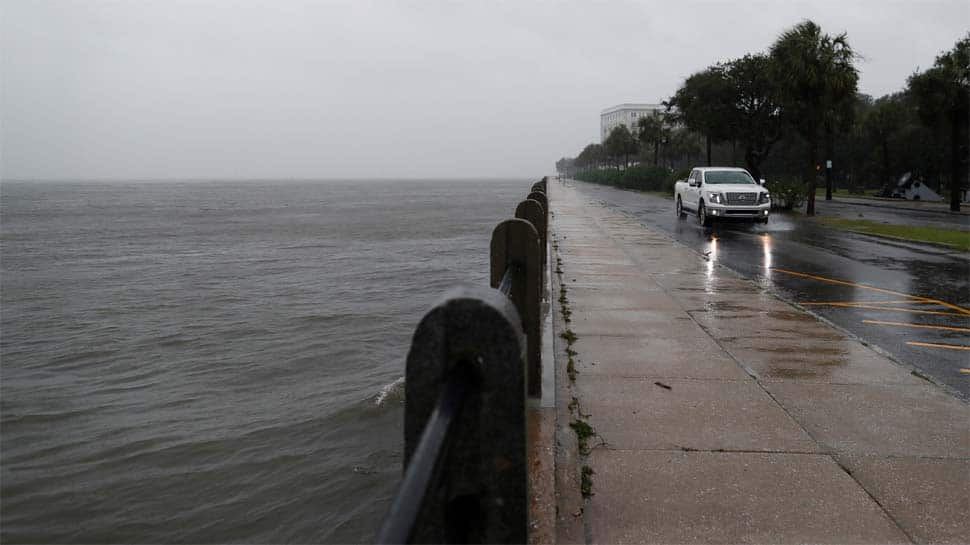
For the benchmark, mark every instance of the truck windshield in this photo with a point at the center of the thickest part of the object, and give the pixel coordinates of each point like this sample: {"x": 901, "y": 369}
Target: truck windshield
{"x": 727, "y": 177}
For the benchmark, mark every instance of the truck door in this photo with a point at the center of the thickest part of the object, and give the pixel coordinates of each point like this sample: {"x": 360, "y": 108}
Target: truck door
{"x": 692, "y": 192}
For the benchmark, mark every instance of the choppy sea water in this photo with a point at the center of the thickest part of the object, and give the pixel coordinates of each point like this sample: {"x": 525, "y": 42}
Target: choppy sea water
{"x": 210, "y": 362}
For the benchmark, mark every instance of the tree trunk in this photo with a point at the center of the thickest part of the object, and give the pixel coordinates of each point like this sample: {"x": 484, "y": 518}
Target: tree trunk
{"x": 886, "y": 172}
{"x": 750, "y": 160}
{"x": 708, "y": 150}
{"x": 812, "y": 155}
{"x": 656, "y": 151}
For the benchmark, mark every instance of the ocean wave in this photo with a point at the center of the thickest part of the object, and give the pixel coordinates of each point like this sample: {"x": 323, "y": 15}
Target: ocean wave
{"x": 390, "y": 393}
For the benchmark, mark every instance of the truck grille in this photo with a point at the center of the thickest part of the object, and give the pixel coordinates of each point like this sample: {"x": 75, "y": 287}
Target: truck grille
{"x": 742, "y": 198}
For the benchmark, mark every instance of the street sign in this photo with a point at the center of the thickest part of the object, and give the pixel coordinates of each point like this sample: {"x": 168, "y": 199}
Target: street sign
{"x": 828, "y": 164}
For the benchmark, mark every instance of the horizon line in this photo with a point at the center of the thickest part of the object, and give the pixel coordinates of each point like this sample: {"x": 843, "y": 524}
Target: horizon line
{"x": 266, "y": 179}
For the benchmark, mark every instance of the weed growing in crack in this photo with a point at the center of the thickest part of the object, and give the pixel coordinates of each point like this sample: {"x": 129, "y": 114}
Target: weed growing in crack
{"x": 586, "y": 481}
{"x": 583, "y": 432}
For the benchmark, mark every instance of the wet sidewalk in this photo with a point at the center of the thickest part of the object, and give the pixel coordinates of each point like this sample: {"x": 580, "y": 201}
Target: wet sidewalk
{"x": 694, "y": 406}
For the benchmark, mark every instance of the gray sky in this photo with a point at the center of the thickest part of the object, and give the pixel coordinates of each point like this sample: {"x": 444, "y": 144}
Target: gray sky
{"x": 235, "y": 89}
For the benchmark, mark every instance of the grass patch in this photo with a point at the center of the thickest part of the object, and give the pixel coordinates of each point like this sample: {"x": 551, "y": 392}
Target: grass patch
{"x": 571, "y": 370}
{"x": 569, "y": 336}
{"x": 840, "y": 192}
{"x": 957, "y": 238}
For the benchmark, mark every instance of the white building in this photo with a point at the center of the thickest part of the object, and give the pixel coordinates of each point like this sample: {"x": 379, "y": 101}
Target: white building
{"x": 626, "y": 114}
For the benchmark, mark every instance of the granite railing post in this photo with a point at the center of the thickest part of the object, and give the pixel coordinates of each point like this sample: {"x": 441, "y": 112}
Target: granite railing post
{"x": 541, "y": 197}
{"x": 515, "y": 247}
{"x": 478, "y": 490}
{"x": 531, "y": 211}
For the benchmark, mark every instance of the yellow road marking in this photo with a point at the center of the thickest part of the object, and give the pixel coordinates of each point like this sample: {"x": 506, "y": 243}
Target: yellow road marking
{"x": 938, "y": 345}
{"x": 904, "y": 301}
{"x": 894, "y": 309}
{"x": 924, "y": 326}
{"x": 873, "y": 288}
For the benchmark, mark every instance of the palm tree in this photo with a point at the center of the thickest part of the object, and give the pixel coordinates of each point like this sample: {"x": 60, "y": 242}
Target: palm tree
{"x": 815, "y": 77}
{"x": 620, "y": 145}
{"x": 652, "y": 130}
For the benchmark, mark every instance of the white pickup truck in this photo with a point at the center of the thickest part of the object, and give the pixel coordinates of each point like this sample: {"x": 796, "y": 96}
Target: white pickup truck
{"x": 722, "y": 193}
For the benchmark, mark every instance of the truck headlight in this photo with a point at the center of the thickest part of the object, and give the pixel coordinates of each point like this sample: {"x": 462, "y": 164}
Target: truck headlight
{"x": 764, "y": 198}
{"x": 716, "y": 198}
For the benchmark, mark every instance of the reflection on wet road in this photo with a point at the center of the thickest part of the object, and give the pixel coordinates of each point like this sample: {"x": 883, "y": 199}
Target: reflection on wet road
{"x": 910, "y": 300}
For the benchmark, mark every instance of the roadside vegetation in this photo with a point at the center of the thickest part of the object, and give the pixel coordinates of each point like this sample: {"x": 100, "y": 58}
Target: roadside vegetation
{"x": 783, "y": 113}
{"x": 957, "y": 238}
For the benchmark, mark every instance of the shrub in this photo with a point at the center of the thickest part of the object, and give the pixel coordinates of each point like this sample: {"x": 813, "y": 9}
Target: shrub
{"x": 787, "y": 193}
{"x": 642, "y": 177}
{"x": 674, "y": 177}
{"x": 598, "y": 176}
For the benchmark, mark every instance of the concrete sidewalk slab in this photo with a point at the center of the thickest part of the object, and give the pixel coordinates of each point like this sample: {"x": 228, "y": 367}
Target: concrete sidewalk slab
{"x": 632, "y": 413}
{"x": 708, "y": 300}
{"x": 879, "y": 419}
{"x": 652, "y": 356}
{"x": 704, "y": 497}
{"x": 608, "y": 281}
{"x": 653, "y": 299}
{"x": 927, "y": 495}
{"x": 634, "y": 322}
{"x": 782, "y": 324}
{"x": 833, "y": 362}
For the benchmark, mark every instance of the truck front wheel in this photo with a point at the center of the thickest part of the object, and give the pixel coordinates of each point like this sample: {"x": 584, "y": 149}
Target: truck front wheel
{"x": 702, "y": 216}
{"x": 680, "y": 209}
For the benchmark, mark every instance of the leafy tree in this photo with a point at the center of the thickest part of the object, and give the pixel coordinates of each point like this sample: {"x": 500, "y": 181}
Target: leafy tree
{"x": 591, "y": 157}
{"x": 565, "y": 166}
{"x": 652, "y": 130}
{"x": 755, "y": 112}
{"x": 942, "y": 96}
{"x": 704, "y": 104}
{"x": 882, "y": 122}
{"x": 682, "y": 146}
{"x": 620, "y": 145}
{"x": 816, "y": 79}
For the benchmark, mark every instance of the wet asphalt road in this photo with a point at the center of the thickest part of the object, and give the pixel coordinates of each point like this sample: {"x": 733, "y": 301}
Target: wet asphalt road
{"x": 910, "y": 300}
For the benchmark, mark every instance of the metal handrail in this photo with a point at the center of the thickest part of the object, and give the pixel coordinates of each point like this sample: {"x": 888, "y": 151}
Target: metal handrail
{"x": 403, "y": 514}
{"x": 506, "y": 285}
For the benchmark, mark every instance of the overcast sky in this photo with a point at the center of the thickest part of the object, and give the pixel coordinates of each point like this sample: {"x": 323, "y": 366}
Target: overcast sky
{"x": 360, "y": 89}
